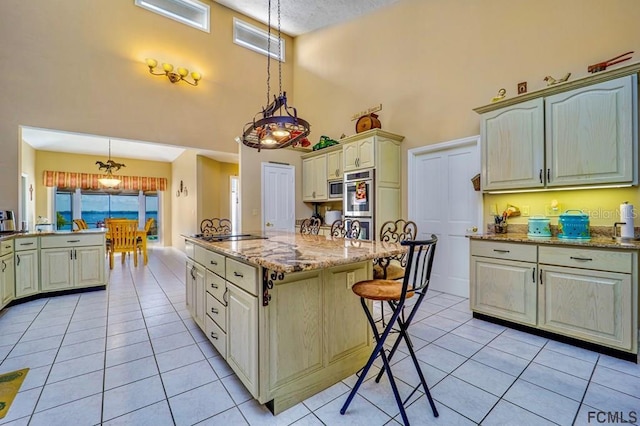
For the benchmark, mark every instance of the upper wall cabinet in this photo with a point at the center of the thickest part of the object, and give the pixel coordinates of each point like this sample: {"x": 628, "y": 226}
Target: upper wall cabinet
{"x": 513, "y": 146}
{"x": 591, "y": 134}
{"x": 581, "y": 133}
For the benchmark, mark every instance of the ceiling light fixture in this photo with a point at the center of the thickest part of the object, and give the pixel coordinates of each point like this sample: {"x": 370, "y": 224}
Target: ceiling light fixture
{"x": 173, "y": 77}
{"x": 108, "y": 180}
{"x": 275, "y": 131}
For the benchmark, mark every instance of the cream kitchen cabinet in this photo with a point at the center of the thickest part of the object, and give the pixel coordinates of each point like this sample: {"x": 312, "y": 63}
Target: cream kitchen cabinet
{"x": 359, "y": 154}
{"x": 195, "y": 300}
{"x": 588, "y": 294}
{"x": 7, "y": 288}
{"x": 72, "y": 261}
{"x": 314, "y": 179}
{"x": 579, "y": 133}
{"x": 27, "y": 266}
{"x": 591, "y": 134}
{"x": 503, "y": 280}
{"x": 242, "y": 348}
{"x": 513, "y": 146}
{"x": 334, "y": 165}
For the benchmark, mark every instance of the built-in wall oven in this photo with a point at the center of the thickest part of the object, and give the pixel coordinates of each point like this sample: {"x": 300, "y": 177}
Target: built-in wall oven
{"x": 358, "y": 200}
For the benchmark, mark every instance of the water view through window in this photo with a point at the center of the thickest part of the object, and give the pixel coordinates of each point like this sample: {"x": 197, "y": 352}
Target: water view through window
{"x": 94, "y": 208}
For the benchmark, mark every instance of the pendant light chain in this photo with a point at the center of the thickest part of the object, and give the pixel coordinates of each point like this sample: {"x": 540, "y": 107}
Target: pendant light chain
{"x": 279, "y": 53}
{"x": 269, "y": 55}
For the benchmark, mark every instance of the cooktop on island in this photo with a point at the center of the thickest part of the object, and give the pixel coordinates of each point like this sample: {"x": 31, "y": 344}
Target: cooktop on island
{"x": 214, "y": 238}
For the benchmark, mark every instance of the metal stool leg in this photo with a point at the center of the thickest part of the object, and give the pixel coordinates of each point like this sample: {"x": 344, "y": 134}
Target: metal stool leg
{"x": 379, "y": 350}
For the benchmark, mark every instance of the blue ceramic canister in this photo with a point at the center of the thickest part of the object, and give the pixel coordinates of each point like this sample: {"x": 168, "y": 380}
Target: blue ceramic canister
{"x": 574, "y": 224}
{"x": 539, "y": 227}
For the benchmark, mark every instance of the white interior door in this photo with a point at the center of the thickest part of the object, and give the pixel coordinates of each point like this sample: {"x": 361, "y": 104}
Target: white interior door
{"x": 442, "y": 201}
{"x": 278, "y": 197}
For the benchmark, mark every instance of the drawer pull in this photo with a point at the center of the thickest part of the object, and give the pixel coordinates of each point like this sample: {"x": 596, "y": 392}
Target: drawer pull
{"x": 238, "y": 274}
{"x": 73, "y": 241}
{"x": 584, "y": 259}
{"x": 214, "y": 311}
{"x": 214, "y": 285}
{"x": 17, "y": 260}
{"x": 26, "y": 244}
{"x": 501, "y": 251}
{"x": 7, "y": 247}
{"x": 214, "y": 335}
{"x": 214, "y": 263}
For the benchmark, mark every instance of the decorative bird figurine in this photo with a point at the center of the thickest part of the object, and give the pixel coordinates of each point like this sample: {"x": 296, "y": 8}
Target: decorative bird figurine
{"x": 501, "y": 94}
{"x": 551, "y": 81}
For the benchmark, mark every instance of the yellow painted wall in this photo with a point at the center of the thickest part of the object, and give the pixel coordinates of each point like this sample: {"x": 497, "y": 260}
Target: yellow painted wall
{"x": 80, "y": 163}
{"x": 214, "y": 188}
{"x": 184, "y": 208}
{"x": 431, "y": 62}
{"x": 79, "y": 66}
{"x": 28, "y": 169}
{"x": 602, "y": 205}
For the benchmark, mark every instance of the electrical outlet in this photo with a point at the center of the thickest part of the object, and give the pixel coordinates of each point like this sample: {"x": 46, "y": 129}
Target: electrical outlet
{"x": 525, "y": 210}
{"x": 351, "y": 279}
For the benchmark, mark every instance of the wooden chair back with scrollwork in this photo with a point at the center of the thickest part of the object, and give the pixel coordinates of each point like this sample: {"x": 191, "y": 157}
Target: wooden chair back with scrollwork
{"x": 310, "y": 226}
{"x": 215, "y": 226}
{"x": 340, "y": 230}
{"x": 81, "y": 224}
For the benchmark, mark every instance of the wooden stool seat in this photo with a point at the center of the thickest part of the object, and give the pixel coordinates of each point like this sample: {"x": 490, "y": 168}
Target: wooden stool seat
{"x": 380, "y": 290}
{"x": 394, "y": 272}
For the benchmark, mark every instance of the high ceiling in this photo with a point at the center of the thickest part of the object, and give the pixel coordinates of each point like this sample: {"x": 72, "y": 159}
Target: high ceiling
{"x": 297, "y": 17}
{"x": 303, "y": 16}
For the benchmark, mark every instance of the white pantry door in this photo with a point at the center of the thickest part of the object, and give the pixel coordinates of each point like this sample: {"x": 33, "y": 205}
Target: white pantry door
{"x": 442, "y": 201}
{"x": 278, "y": 197}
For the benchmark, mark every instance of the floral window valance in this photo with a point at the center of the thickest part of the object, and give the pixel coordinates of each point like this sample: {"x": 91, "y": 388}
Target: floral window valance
{"x": 71, "y": 180}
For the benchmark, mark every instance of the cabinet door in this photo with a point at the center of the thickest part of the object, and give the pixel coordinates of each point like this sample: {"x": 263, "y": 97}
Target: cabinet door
{"x": 195, "y": 288}
{"x": 350, "y": 156}
{"x": 7, "y": 289}
{"x": 27, "y": 273}
{"x": 334, "y": 165}
{"x": 56, "y": 269}
{"x": 504, "y": 289}
{"x": 366, "y": 154}
{"x": 314, "y": 178}
{"x": 589, "y": 305}
{"x": 242, "y": 331}
{"x": 320, "y": 179}
{"x": 513, "y": 146}
{"x": 190, "y": 280}
{"x": 89, "y": 266}
{"x": 591, "y": 134}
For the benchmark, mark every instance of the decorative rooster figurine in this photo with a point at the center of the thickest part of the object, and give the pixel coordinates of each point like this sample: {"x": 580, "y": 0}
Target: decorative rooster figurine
{"x": 551, "y": 81}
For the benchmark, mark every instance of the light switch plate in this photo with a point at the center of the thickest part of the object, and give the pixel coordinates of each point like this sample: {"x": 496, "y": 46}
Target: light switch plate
{"x": 525, "y": 211}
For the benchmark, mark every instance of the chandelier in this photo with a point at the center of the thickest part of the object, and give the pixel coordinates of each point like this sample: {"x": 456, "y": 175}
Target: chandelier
{"x": 108, "y": 180}
{"x": 278, "y": 124}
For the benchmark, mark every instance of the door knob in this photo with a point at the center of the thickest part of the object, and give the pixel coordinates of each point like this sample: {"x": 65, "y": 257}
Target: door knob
{"x": 269, "y": 224}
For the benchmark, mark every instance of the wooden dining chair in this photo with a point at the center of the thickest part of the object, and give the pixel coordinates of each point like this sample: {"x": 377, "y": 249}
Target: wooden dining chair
{"x": 310, "y": 226}
{"x": 141, "y": 240}
{"x": 81, "y": 224}
{"x": 123, "y": 239}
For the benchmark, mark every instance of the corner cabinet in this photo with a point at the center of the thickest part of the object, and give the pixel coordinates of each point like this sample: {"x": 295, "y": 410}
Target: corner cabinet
{"x": 577, "y": 133}
{"x": 587, "y": 294}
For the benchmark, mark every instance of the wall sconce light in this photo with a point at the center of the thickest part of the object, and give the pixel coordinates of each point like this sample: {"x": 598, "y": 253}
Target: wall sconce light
{"x": 173, "y": 77}
{"x": 183, "y": 190}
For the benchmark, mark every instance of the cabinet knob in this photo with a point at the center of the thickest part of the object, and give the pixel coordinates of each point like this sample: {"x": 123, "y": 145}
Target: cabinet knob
{"x": 237, "y": 274}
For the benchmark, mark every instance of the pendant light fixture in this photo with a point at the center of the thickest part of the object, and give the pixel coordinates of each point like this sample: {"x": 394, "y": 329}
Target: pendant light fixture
{"x": 278, "y": 124}
{"x": 108, "y": 180}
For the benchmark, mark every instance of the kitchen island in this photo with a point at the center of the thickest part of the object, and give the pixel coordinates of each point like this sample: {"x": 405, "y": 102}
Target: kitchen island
{"x": 583, "y": 290}
{"x": 279, "y": 308}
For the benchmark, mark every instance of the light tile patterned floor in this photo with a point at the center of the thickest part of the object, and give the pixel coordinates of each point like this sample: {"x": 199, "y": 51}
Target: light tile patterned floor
{"x": 131, "y": 355}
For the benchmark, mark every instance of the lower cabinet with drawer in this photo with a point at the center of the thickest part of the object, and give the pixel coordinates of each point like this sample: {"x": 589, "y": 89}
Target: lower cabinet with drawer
{"x": 27, "y": 266}
{"x": 7, "y": 289}
{"x": 583, "y": 293}
{"x": 71, "y": 261}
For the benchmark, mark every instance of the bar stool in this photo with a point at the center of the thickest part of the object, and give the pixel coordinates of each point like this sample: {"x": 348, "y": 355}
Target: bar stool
{"x": 310, "y": 226}
{"x": 395, "y": 293}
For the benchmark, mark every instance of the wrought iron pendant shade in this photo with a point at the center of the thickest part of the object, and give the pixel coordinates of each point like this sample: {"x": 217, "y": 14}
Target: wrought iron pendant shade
{"x": 278, "y": 124}
{"x": 109, "y": 180}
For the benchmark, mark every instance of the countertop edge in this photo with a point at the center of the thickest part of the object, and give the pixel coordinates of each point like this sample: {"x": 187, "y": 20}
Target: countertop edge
{"x": 594, "y": 242}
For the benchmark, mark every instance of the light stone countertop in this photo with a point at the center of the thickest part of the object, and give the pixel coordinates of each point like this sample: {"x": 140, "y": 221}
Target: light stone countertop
{"x": 44, "y": 234}
{"x": 598, "y": 241}
{"x": 293, "y": 252}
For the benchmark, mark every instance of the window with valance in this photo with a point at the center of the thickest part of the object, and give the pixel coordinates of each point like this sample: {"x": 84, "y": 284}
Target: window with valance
{"x": 72, "y": 180}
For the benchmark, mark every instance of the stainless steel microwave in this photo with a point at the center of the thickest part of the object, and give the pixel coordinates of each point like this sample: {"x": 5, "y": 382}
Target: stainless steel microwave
{"x": 335, "y": 189}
